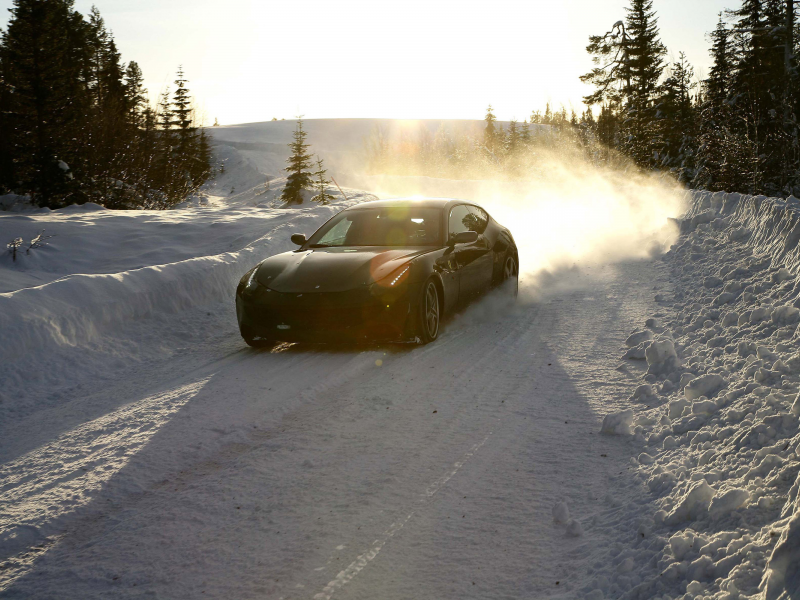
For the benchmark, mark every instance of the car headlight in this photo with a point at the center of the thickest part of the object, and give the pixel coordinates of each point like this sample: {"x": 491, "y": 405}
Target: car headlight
{"x": 392, "y": 284}
{"x": 252, "y": 282}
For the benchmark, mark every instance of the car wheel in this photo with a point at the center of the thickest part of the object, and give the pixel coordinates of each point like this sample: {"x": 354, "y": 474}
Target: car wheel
{"x": 511, "y": 272}
{"x": 255, "y": 343}
{"x": 429, "y": 312}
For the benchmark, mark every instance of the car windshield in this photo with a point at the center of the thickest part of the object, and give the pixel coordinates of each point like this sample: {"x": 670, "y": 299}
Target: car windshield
{"x": 395, "y": 226}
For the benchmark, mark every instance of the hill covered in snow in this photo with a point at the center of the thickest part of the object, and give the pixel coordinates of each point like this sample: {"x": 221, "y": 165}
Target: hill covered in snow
{"x": 339, "y": 142}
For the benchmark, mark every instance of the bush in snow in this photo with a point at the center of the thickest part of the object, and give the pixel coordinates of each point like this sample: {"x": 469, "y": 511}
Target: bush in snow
{"x": 13, "y": 246}
{"x": 321, "y": 185}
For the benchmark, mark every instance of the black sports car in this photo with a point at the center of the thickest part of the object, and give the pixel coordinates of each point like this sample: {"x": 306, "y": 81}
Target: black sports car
{"x": 385, "y": 270}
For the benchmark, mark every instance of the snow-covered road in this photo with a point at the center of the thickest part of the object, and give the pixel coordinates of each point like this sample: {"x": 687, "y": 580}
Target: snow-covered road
{"x": 385, "y": 472}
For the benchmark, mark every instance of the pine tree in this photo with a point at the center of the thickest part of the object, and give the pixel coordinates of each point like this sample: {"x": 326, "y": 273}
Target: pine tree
{"x": 513, "y": 140}
{"x": 66, "y": 98}
{"x": 644, "y": 66}
{"x": 525, "y": 134}
{"x": 135, "y": 94}
{"x": 500, "y": 140}
{"x": 629, "y": 61}
{"x": 182, "y": 114}
{"x": 320, "y": 184}
{"x": 611, "y": 76}
{"x": 608, "y": 129}
{"x": 644, "y": 54}
{"x": 44, "y": 63}
{"x": 299, "y": 162}
{"x": 164, "y": 169}
{"x": 676, "y": 143}
{"x": 490, "y": 132}
{"x": 718, "y": 84}
{"x": 7, "y": 180}
{"x": 716, "y": 143}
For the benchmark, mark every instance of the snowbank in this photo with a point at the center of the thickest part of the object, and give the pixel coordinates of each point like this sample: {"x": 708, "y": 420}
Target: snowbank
{"x": 717, "y": 431}
{"x": 104, "y": 270}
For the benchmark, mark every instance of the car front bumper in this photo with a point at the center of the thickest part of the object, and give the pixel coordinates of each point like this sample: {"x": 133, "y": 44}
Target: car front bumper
{"x": 337, "y": 317}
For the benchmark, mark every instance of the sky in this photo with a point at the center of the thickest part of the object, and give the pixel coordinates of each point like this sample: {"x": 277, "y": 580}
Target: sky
{"x": 250, "y": 61}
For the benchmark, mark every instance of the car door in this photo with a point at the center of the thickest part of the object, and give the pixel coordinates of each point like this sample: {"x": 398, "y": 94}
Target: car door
{"x": 469, "y": 272}
{"x": 483, "y": 260}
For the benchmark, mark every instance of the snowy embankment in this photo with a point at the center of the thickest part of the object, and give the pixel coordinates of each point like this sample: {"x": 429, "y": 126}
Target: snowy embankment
{"x": 64, "y": 306}
{"x": 715, "y": 421}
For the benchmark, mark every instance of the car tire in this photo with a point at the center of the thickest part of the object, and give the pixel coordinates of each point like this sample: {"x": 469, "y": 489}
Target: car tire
{"x": 430, "y": 312}
{"x": 510, "y": 271}
{"x": 251, "y": 341}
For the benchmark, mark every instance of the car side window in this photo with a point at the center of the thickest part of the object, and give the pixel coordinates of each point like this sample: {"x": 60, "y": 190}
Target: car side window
{"x": 462, "y": 219}
{"x": 482, "y": 218}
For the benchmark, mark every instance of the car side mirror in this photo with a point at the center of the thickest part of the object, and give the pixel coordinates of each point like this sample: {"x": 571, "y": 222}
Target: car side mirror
{"x": 464, "y": 237}
{"x": 298, "y": 238}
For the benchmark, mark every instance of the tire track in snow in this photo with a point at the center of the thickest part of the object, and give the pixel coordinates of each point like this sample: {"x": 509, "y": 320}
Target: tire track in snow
{"x": 363, "y": 560}
{"x": 45, "y": 486}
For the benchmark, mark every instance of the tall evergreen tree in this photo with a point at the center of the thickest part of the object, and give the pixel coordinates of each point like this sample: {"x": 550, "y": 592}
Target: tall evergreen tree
{"x": 677, "y": 122}
{"x": 135, "y": 94}
{"x": 74, "y": 122}
{"x": 513, "y": 140}
{"x": 758, "y": 82}
{"x": 299, "y": 165}
{"x": 490, "y": 131}
{"x": 717, "y": 145}
{"x": 644, "y": 66}
{"x": 44, "y": 65}
{"x": 182, "y": 113}
{"x": 629, "y": 61}
{"x": 525, "y": 133}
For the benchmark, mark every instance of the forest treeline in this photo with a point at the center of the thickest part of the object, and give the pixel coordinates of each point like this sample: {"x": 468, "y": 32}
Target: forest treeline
{"x": 735, "y": 130}
{"x": 75, "y": 122}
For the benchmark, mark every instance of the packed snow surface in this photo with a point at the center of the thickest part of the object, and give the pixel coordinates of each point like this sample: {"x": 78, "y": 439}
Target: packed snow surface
{"x": 628, "y": 429}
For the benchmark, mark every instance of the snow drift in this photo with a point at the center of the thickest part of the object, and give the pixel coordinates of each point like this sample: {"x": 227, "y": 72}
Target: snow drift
{"x": 105, "y": 271}
{"x": 717, "y": 428}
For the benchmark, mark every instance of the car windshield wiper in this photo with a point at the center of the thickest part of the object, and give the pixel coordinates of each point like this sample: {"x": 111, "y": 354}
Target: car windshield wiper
{"x": 320, "y": 246}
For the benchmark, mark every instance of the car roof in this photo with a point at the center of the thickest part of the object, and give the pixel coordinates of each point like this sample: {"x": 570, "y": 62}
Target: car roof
{"x": 421, "y": 202}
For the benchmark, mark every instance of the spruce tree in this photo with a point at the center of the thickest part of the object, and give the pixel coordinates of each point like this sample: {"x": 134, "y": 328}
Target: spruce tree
{"x": 66, "y": 98}
{"x": 513, "y": 140}
{"x": 644, "y": 65}
{"x": 490, "y": 132}
{"x": 717, "y": 86}
{"x": 321, "y": 184}
{"x": 525, "y": 134}
{"x": 629, "y": 61}
{"x": 135, "y": 94}
{"x": 182, "y": 114}
{"x": 645, "y": 52}
{"x": 7, "y": 179}
{"x": 44, "y": 63}
{"x": 676, "y": 142}
{"x": 299, "y": 165}
{"x": 716, "y": 153}
{"x": 500, "y": 140}
{"x": 164, "y": 170}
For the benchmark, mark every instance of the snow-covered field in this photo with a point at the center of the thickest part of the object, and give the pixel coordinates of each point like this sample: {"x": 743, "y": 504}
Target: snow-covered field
{"x": 627, "y": 430}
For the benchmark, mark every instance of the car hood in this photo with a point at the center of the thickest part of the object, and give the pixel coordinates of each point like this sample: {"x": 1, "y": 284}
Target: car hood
{"x": 332, "y": 269}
